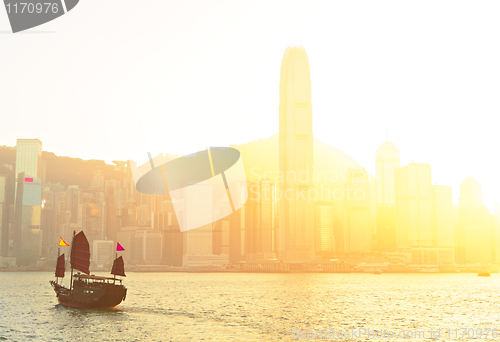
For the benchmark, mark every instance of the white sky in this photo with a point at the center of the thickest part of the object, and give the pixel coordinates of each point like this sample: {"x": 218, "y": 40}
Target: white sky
{"x": 184, "y": 75}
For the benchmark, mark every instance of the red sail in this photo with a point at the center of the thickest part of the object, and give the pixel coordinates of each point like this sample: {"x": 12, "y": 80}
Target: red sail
{"x": 80, "y": 253}
{"x": 118, "y": 267}
{"x": 60, "y": 267}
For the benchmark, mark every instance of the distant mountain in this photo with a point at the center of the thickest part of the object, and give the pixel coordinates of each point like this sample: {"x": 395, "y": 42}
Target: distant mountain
{"x": 263, "y": 155}
{"x": 65, "y": 170}
{"x": 259, "y": 156}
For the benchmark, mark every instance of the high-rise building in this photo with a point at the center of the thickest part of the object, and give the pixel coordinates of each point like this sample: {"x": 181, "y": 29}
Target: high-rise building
{"x": 475, "y": 227}
{"x": 148, "y": 246}
{"x": 198, "y": 242}
{"x": 27, "y": 228}
{"x": 237, "y": 235}
{"x": 496, "y": 241}
{"x": 75, "y": 199}
{"x": 387, "y": 160}
{"x": 237, "y": 229}
{"x": 50, "y": 236}
{"x": 324, "y": 230}
{"x": 4, "y": 220}
{"x": 414, "y": 205}
{"x": 27, "y": 224}
{"x": 221, "y": 236}
{"x": 443, "y": 231}
{"x": 296, "y": 210}
{"x": 111, "y": 221}
{"x": 93, "y": 214}
{"x": 386, "y": 227}
{"x": 259, "y": 218}
{"x": 103, "y": 252}
{"x": 29, "y": 157}
{"x": 7, "y": 195}
{"x": 360, "y": 221}
{"x": 166, "y": 222}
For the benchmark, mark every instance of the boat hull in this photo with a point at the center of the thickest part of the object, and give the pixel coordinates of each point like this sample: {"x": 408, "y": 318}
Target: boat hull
{"x": 91, "y": 297}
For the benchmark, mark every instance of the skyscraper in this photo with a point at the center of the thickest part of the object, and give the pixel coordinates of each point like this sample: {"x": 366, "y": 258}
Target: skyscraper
{"x": 387, "y": 160}
{"x": 360, "y": 217}
{"x": 296, "y": 211}
{"x": 28, "y": 209}
{"x": 259, "y": 220}
{"x": 443, "y": 231}
{"x": 4, "y": 215}
{"x": 324, "y": 223}
{"x": 198, "y": 242}
{"x": 27, "y": 226}
{"x": 29, "y": 157}
{"x": 475, "y": 227}
{"x": 414, "y": 205}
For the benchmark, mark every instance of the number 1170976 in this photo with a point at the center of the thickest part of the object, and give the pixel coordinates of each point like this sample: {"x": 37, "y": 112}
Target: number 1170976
{"x": 29, "y": 7}
{"x": 472, "y": 333}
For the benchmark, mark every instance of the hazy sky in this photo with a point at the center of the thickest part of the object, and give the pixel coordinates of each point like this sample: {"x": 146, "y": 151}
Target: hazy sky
{"x": 113, "y": 78}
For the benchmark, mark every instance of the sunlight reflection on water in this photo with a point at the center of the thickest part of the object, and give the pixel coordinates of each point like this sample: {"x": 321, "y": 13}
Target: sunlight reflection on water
{"x": 250, "y": 307}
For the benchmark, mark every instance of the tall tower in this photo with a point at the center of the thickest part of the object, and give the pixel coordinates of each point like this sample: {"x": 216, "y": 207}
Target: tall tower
{"x": 414, "y": 206}
{"x": 360, "y": 218}
{"x": 475, "y": 225}
{"x": 27, "y": 222}
{"x": 296, "y": 211}
{"x": 29, "y": 157}
{"x": 387, "y": 160}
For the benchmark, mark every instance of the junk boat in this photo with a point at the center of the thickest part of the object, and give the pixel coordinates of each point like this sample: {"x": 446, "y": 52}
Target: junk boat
{"x": 88, "y": 291}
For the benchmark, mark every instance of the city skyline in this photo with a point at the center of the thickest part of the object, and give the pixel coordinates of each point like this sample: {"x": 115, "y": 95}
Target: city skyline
{"x": 249, "y": 170}
{"x": 424, "y": 219}
{"x": 431, "y": 86}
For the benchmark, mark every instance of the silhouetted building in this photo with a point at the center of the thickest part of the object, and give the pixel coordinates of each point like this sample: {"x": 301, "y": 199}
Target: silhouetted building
{"x": 221, "y": 236}
{"x": 237, "y": 235}
{"x": 148, "y": 247}
{"x": 93, "y": 214}
{"x": 259, "y": 221}
{"x": 29, "y": 157}
{"x": 103, "y": 253}
{"x": 359, "y": 202}
{"x": 27, "y": 224}
{"x": 75, "y": 199}
{"x": 126, "y": 238}
{"x": 387, "y": 161}
{"x": 166, "y": 222}
{"x": 443, "y": 231}
{"x": 111, "y": 220}
{"x": 50, "y": 239}
{"x": 414, "y": 206}
{"x": 324, "y": 230}
{"x": 296, "y": 210}
{"x": 7, "y": 195}
{"x": 476, "y": 227}
{"x": 386, "y": 227}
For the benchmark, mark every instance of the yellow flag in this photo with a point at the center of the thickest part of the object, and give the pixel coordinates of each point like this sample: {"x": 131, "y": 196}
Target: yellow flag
{"x": 62, "y": 243}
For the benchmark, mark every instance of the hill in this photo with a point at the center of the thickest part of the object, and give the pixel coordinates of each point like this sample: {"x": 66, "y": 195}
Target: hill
{"x": 261, "y": 157}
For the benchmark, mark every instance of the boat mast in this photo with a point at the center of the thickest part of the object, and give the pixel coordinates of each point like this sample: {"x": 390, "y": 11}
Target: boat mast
{"x": 71, "y": 280}
{"x": 58, "y": 255}
{"x": 114, "y": 275}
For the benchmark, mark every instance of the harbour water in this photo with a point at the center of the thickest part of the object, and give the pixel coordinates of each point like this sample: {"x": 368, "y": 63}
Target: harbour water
{"x": 255, "y": 307}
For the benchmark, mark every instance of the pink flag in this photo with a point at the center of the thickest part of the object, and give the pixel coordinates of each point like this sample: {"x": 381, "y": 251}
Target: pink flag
{"x": 119, "y": 247}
